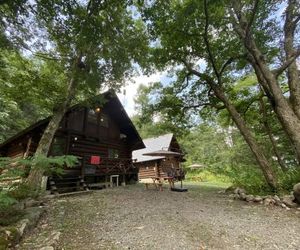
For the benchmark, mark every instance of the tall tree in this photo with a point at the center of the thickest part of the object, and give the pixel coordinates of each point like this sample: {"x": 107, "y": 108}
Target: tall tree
{"x": 190, "y": 32}
{"x": 95, "y": 43}
{"x": 252, "y": 21}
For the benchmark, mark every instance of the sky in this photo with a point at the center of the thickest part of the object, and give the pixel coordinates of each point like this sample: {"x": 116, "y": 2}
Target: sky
{"x": 127, "y": 97}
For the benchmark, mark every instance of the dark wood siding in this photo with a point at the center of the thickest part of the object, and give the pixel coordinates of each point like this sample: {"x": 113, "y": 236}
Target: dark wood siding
{"x": 148, "y": 169}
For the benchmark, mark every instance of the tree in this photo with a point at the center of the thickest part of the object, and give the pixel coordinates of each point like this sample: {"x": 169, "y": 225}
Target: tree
{"x": 153, "y": 113}
{"x": 249, "y": 18}
{"x": 188, "y": 32}
{"x": 94, "y": 43}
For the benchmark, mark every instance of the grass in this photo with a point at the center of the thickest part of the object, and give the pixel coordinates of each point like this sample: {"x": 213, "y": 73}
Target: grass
{"x": 216, "y": 184}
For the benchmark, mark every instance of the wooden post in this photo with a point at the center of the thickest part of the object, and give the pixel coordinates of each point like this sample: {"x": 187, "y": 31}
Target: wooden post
{"x": 27, "y": 151}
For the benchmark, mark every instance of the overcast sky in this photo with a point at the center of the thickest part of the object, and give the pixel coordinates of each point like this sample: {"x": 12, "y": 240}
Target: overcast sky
{"x": 131, "y": 89}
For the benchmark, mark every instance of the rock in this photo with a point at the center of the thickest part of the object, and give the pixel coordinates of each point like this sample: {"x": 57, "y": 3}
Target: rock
{"x": 288, "y": 201}
{"x": 296, "y": 193}
{"x": 269, "y": 201}
{"x": 257, "y": 199}
{"x": 243, "y": 196}
{"x": 249, "y": 197}
{"x": 283, "y": 205}
{"x": 276, "y": 198}
{"x": 47, "y": 248}
{"x": 32, "y": 203}
{"x": 230, "y": 189}
{"x": 23, "y": 226}
{"x": 239, "y": 191}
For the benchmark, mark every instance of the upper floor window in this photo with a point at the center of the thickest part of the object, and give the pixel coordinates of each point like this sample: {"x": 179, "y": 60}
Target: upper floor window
{"x": 103, "y": 120}
{"x": 92, "y": 116}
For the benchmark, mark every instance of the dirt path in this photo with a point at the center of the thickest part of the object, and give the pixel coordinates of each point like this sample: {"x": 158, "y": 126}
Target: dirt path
{"x": 133, "y": 218}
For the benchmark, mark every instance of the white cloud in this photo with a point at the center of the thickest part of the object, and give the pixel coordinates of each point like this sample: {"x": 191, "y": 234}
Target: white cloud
{"x": 129, "y": 92}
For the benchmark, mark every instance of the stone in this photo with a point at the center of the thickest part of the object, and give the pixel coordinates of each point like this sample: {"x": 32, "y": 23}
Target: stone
{"x": 296, "y": 193}
{"x": 283, "y": 205}
{"x": 47, "y": 248}
{"x": 230, "y": 189}
{"x": 257, "y": 199}
{"x": 268, "y": 201}
{"x": 23, "y": 226}
{"x": 276, "y": 198}
{"x": 288, "y": 201}
{"x": 32, "y": 203}
{"x": 249, "y": 197}
{"x": 243, "y": 196}
{"x": 239, "y": 191}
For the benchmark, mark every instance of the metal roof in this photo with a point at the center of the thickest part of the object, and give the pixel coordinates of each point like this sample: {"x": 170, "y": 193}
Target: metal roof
{"x": 153, "y": 144}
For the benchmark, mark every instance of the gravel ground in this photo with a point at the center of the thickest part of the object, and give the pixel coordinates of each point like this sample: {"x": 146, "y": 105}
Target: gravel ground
{"x": 133, "y": 218}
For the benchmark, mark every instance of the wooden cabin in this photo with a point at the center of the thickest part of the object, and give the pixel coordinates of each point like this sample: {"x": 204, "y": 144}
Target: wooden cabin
{"x": 101, "y": 134}
{"x": 158, "y": 166}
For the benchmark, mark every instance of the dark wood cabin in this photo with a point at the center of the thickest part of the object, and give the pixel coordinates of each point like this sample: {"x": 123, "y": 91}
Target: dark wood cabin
{"x": 102, "y": 135}
{"x": 158, "y": 166}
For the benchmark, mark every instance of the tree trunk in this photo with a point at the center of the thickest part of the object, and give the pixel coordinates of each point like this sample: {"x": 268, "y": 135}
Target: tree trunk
{"x": 36, "y": 172}
{"x": 268, "y": 80}
{"x": 256, "y": 150}
{"x": 292, "y": 71}
{"x": 286, "y": 115}
{"x": 270, "y": 135}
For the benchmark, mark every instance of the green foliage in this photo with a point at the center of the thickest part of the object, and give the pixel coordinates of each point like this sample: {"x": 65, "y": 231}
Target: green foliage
{"x": 18, "y": 191}
{"x": 21, "y": 191}
{"x": 8, "y": 213}
{"x": 204, "y": 175}
{"x": 49, "y": 165}
{"x": 6, "y": 200}
{"x": 289, "y": 179}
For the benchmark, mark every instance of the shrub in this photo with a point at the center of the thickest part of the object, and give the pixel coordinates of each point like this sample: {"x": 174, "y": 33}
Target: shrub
{"x": 14, "y": 193}
{"x": 8, "y": 213}
{"x": 288, "y": 179}
{"x": 22, "y": 191}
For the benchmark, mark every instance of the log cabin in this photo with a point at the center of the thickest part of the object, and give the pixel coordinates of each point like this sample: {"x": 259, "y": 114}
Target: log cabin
{"x": 159, "y": 166}
{"x": 100, "y": 133}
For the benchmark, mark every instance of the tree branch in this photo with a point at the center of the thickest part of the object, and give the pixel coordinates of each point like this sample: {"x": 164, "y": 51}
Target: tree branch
{"x": 252, "y": 17}
{"x": 210, "y": 55}
{"x": 287, "y": 63}
{"x": 227, "y": 63}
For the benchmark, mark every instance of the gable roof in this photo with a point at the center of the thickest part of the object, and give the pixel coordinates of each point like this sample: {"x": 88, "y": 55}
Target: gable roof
{"x": 121, "y": 117}
{"x": 153, "y": 144}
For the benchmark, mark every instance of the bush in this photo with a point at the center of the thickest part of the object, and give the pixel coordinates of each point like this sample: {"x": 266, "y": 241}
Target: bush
{"x": 245, "y": 176}
{"x": 14, "y": 193}
{"x": 205, "y": 175}
{"x": 287, "y": 180}
{"x": 8, "y": 213}
{"x": 22, "y": 191}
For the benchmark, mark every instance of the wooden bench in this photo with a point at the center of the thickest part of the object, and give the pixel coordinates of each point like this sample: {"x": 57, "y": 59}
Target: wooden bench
{"x": 152, "y": 181}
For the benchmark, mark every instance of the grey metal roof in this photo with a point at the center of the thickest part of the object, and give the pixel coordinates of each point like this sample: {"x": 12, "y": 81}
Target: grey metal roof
{"x": 153, "y": 144}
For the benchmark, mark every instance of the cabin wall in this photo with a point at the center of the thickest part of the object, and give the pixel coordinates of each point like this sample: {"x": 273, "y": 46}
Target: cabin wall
{"x": 85, "y": 133}
{"x": 157, "y": 168}
{"x": 16, "y": 149}
{"x": 148, "y": 169}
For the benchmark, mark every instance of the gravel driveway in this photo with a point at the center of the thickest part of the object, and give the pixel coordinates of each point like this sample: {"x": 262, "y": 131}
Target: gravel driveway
{"x": 133, "y": 218}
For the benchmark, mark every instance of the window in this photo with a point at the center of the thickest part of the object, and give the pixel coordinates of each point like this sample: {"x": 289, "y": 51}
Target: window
{"x": 92, "y": 116}
{"x": 58, "y": 146}
{"x": 103, "y": 120}
{"x": 113, "y": 153}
